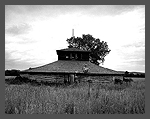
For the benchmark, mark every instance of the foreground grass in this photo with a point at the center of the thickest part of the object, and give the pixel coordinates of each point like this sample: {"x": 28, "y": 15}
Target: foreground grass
{"x": 104, "y": 99}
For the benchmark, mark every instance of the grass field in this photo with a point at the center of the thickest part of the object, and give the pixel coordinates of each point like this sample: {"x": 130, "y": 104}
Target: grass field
{"x": 103, "y": 99}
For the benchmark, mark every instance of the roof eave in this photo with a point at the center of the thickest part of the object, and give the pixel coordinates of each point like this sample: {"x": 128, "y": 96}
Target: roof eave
{"x": 112, "y": 74}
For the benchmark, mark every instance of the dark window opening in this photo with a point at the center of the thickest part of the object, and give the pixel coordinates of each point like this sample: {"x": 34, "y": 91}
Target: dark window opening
{"x": 81, "y": 56}
{"x": 73, "y": 56}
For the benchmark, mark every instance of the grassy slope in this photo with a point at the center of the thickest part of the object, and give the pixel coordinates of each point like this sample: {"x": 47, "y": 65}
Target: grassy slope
{"x": 105, "y": 98}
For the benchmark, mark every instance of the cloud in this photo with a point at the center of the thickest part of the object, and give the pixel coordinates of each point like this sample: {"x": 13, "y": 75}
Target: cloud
{"x": 128, "y": 57}
{"x": 122, "y": 27}
{"x": 111, "y": 10}
{"x": 15, "y": 64}
{"x": 18, "y": 29}
{"x": 136, "y": 44}
{"x": 49, "y": 11}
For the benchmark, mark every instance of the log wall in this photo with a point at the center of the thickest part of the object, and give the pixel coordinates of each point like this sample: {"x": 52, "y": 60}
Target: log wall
{"x": 60, "y": 78}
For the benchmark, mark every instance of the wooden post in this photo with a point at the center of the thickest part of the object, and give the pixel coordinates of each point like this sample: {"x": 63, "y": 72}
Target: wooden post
{"x": 68, "y": 78}
{"x": 89, "y": 82}
{"x": 74, "y": 111}
{"x": 64, "y": 78}
{"x": 71, "y": 78}
{"x": 65, "y": 81}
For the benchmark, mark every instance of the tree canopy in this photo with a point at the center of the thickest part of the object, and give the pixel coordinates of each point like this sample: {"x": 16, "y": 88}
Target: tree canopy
{"x": 99, "y": 49}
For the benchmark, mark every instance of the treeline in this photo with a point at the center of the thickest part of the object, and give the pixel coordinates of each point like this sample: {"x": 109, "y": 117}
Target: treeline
{"x": 12, "y": 72}
{"x": 134, "y": 74}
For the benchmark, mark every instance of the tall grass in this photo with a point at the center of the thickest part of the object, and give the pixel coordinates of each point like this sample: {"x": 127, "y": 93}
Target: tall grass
{"x": 104, "y": 99}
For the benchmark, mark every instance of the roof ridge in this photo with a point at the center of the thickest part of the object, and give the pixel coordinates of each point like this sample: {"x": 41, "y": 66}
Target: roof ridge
{"x": 73, "y": 49}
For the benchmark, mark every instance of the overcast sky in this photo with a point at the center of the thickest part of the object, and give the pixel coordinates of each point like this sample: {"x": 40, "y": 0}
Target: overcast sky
{"x": 33, "y": 33}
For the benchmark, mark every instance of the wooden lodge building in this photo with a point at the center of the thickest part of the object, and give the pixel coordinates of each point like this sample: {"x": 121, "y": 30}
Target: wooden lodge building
{"x": 72, "y": 65}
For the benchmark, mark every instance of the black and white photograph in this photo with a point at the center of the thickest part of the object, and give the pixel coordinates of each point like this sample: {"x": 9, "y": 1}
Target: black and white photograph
{"x": 74, "y": 59}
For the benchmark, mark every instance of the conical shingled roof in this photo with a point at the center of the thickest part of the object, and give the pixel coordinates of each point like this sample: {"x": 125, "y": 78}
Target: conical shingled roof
{"x": 63, "y": 66}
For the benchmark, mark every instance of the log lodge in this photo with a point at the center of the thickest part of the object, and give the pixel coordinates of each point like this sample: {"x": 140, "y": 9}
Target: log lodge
{"x": 72, "y": 65}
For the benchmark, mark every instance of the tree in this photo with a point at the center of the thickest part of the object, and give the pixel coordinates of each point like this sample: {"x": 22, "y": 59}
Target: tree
{"x": 99, "y": 49}
{"x": 12, "y": 72}
{"x": 126, "y": 73}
